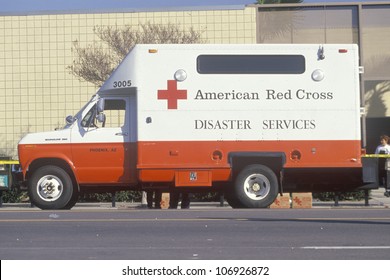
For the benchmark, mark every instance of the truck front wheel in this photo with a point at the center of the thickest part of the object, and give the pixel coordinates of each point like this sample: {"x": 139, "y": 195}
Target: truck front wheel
{"x": 50, "y": 187}
{"x": 256, "y": 186}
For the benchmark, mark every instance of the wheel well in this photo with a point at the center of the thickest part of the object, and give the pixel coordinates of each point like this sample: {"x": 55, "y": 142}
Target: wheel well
{"x": 52, "y": 161}
{"x": 273, "y": 160}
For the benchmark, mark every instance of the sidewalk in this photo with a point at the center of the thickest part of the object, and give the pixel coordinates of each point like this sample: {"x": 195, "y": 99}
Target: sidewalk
{"x": 377, "y": 200}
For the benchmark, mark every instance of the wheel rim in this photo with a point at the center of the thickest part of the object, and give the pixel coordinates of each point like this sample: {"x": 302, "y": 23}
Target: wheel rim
{"x": 49, "y": 188}
{"x": 257, "y": 186}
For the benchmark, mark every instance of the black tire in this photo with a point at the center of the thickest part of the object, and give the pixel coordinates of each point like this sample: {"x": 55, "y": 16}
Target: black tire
{"x": 233, "y": 203}
{"x": 256, "y": 186}
{"x": 50, "y": 187}
{"x": 232, "y": 200}
{"x": 72, "y": 202}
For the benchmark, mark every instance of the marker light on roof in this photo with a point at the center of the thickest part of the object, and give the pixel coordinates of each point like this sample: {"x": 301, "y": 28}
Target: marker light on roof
{"x": 180, "y": 75}
{"x": 317, "y": 75}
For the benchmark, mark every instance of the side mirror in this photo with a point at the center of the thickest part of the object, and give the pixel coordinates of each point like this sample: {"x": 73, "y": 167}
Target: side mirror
{"x": 69, "y": 119}
{"x": 100, "y": 105}
{"x": 101, "y": 117}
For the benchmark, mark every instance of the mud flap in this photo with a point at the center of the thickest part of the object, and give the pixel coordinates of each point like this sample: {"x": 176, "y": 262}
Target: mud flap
{"x": 370, "y": 172}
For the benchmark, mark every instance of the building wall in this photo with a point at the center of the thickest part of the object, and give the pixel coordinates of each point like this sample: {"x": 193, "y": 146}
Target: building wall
{"x": 37, "y": 90}
{"x": 364, "y": 23}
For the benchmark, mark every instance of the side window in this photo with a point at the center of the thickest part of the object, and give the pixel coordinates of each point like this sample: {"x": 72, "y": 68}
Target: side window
{"x": 251, "y": 64}
{"x": 115, "y": 111}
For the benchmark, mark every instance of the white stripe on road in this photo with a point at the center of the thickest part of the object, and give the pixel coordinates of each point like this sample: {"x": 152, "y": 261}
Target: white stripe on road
{"x": 345, "y": 247}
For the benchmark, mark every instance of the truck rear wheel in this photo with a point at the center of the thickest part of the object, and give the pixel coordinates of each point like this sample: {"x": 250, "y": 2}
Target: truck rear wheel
{"x": 50, "y": 187}
{"x": 256, "y": 186}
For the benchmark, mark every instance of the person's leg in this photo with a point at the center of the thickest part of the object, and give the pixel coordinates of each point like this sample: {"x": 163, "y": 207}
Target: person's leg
{"x": 173, "y": 199}
{"x": 387, "y": 187}
{"x": 185, "y": 200}
{"x": 157, "y": 199}
{"x": 149, "y": 198}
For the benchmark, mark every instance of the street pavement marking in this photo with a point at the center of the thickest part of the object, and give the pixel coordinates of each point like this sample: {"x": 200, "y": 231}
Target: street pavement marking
{"x": 342, "y": 219}
{"x": 345, "y": 247}
{"x": 117, "y": 220}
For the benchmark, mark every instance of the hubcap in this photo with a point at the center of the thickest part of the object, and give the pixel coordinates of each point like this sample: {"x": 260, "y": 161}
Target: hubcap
{"x": 49, "y": 188}
{"x": 257, "y": 186}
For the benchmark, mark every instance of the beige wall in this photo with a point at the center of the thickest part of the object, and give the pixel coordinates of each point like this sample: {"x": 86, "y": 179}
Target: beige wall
{"x": 367, "y": 24}
{"x": 36, "y": 90}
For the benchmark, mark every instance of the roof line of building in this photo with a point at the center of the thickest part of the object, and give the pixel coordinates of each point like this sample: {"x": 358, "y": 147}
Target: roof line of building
{"x": 188, "y": 8}
{"x": 123, "y": 10}
{"x": 322, "y": 4}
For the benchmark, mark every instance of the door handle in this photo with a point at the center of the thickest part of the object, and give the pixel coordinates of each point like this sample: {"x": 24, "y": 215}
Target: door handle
{"x": 121, "y": 134}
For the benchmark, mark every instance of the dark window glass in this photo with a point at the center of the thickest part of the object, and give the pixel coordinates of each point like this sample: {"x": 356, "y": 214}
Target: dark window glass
{"x": 115, "y": 111}
{"x": 251, "y": 64}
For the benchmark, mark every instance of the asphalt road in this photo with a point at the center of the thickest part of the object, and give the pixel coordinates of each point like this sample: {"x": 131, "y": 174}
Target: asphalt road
{"x": 290, "y": 234}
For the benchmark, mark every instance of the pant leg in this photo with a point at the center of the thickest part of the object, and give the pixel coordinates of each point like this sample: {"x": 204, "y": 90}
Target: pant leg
{"x": 157, "y": 199}
{"x": 173, "y": 199}
{"x": 149, "y": 198}
{"x": 185, "y": 200}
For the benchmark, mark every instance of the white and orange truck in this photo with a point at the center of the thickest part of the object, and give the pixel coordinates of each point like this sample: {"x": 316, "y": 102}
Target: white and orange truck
{"x": 249, "y": 120}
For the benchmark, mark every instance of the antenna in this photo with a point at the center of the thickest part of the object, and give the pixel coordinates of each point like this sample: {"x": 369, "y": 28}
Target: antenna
{"x": 320, "y": 53}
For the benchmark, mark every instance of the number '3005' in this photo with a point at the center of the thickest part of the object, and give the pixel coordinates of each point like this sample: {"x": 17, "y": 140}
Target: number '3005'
{"x": 120, "y": 84}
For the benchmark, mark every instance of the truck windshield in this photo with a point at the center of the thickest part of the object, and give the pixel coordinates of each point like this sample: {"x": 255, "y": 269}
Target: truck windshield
{"x": 89, "y": 119}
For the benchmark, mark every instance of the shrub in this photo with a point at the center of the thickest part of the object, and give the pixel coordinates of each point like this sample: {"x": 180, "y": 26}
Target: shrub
{"x": 330, "y": 196}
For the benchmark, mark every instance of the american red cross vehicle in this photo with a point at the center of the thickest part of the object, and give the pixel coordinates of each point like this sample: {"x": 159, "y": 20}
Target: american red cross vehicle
{"x": 249, "y": 120}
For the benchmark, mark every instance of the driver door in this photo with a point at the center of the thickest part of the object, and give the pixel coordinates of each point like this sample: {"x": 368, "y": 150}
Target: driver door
{"x": 105, "y": 153}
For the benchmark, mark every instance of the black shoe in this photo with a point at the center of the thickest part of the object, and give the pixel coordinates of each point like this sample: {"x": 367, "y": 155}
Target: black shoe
{"x": 387, "y": 193}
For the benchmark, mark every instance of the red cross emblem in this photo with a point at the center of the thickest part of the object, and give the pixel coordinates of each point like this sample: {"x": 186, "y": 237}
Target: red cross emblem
{"x": 172, "y": 94}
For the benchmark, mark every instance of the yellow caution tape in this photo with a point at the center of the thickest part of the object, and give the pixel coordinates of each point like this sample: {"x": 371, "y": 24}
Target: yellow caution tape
{"x": 9, "y": 162}
{"x": 376, "y": 156}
